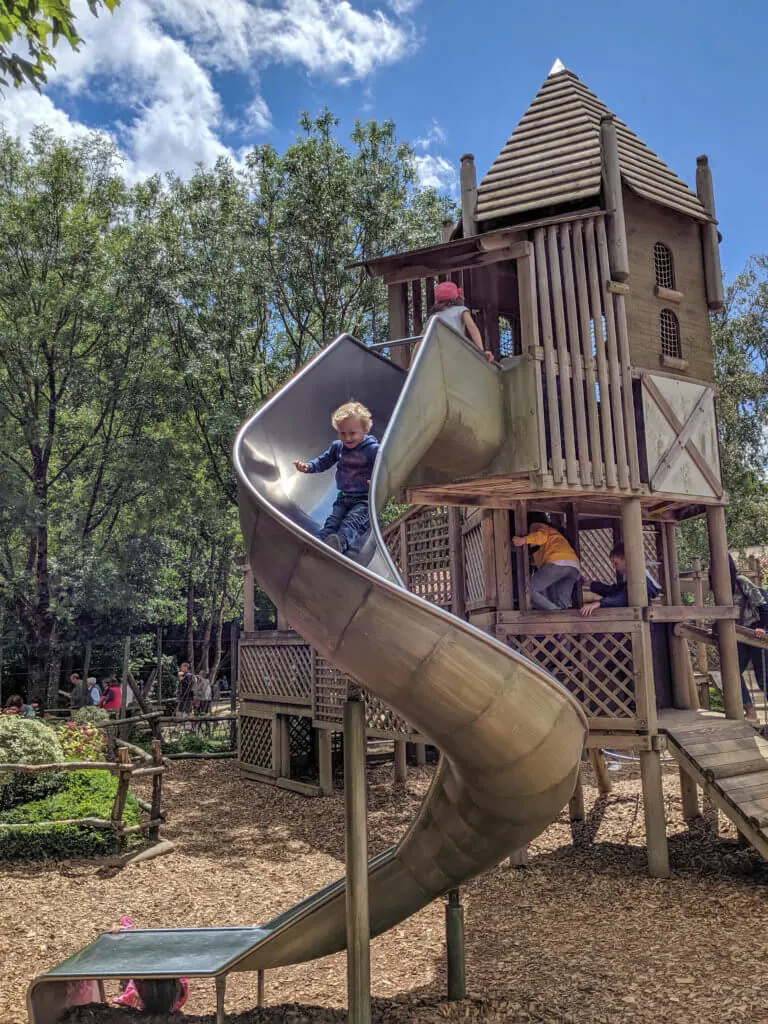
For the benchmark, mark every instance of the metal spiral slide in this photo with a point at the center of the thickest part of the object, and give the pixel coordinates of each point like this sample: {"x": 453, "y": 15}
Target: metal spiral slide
{"x": 510, "y": 736}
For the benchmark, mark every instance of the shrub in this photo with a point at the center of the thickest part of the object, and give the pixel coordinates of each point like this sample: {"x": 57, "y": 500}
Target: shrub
{"x": 97, "y": 716}
{"x": 83, "y": 742}
{"x": 28, "y": 741}
{"x": 87, "y": 794}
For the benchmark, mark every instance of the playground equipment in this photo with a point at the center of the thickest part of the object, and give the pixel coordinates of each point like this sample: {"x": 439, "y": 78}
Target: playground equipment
{"x": 510, "y": 735}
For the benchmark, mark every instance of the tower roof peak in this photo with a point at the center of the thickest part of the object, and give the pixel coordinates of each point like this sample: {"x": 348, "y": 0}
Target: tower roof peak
{"x": 553, "y": 157}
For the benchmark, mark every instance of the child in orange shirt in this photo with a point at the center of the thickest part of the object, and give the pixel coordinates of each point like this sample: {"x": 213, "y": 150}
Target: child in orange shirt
{"x": 557, "y": 566}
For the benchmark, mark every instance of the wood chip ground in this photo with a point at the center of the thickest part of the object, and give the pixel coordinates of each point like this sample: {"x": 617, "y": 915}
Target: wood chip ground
{"x": 581, "y": 936}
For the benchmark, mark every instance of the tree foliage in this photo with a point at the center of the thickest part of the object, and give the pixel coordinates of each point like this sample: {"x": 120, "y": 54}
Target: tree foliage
{"x": 38, "y": 25}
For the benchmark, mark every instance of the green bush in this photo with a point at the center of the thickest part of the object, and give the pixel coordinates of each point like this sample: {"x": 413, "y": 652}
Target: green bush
{"x": 87, "y": 795}
{"x": 94, "y": 715}
{"x": 28, "y": 741}
{"x": 83, "y": 742}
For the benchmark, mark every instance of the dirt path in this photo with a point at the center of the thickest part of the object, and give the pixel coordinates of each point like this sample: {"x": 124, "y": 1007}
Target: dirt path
{"x": 581, "y": 936}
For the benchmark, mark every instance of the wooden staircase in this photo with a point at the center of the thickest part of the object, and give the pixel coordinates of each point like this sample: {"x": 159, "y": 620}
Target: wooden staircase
{"x": 729, "y": 760}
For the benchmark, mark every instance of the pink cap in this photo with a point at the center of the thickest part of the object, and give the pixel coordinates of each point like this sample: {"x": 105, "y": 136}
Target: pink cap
{"x": 446, "y": 291}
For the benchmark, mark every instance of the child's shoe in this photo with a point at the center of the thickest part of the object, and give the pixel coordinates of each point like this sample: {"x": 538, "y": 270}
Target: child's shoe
{"x": 337, "y": 542}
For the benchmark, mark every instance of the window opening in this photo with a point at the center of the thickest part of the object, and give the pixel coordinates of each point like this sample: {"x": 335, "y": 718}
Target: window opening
{"x": 662, "y": 264}
{"x": 670, "y": 335}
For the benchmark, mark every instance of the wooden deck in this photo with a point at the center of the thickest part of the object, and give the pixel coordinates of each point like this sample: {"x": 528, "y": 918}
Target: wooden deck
{"x": 729, "y": 760}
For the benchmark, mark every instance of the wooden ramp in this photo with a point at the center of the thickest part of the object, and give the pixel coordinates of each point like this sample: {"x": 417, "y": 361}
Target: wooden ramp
{"x": 729, "y": 760}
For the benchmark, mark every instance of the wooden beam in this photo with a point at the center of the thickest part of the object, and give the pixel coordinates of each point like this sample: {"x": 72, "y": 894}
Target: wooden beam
{"x": 503, "y": 557}
{"x": 726, "y": 628}
{"x": 612, "y": 190}
{"x": 710, "y": 244}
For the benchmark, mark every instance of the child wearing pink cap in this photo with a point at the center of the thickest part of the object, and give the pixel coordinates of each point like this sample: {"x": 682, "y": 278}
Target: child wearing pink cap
{"x": 449, "y": 307}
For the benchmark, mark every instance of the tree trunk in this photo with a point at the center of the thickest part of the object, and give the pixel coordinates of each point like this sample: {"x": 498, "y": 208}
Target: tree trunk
{"x": 191, "y": 621}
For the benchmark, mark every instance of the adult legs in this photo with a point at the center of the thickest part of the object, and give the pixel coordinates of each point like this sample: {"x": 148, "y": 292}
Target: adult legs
{"x": 549, "y": 583}
{"x": 745, "y": 656}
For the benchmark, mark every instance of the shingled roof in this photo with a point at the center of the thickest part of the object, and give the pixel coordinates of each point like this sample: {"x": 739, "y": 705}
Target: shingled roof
{"x": 553, "y": 157}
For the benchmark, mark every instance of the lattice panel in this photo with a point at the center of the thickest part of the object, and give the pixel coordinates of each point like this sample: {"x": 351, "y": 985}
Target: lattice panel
{"x": 256, "y": 742}
{"x": 474, "y": 564}
{"x": 595, "y": 553}
{"x": 276, "y": 670}
{"x": 428, "y": 555}
{"x": 596, "y": 667}
{"x": 300, "y": 737}
{"x": 331, "y": 692}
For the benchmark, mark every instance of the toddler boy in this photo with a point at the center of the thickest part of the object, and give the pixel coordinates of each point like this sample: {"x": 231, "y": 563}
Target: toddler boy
{"x": 353, "y": 454}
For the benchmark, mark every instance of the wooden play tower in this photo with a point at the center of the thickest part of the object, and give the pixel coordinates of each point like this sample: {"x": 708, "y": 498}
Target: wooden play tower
{"x": 591, "y": 269}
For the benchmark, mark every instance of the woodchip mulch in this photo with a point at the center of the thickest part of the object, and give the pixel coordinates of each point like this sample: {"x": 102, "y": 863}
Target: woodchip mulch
{"x": 581, "y": 936}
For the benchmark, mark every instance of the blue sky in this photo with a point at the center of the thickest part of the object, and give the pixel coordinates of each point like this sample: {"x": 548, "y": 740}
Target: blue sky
{"x": 176, "y": 81}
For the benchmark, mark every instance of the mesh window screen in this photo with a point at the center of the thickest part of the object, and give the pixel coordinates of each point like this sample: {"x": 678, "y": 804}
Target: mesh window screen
{"x": 670, "y": 334}
{"x": 662, "y": 264}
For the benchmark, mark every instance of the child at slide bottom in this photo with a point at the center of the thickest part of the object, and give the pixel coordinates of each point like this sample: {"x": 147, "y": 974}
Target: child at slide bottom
{"x": 155, "y": 995}
{"x": 353, "y": 454}
{"x": 557, "y": 567}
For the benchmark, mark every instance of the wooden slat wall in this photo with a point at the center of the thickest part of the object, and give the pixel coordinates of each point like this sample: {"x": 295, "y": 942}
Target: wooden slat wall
{"x": 585, "y": 355}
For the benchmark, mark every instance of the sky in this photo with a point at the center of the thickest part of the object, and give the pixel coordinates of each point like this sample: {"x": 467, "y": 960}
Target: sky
{"x": 175, "y": 82}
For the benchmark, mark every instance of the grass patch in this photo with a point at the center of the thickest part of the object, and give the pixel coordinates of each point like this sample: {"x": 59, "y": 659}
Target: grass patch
{"x": 87, "y": 795}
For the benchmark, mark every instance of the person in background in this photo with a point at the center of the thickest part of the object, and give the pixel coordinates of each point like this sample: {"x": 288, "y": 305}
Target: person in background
{"x": 186, "y": 684}
{"x": 449, "y": 307}
{"x": 198, "y": 693}
{"x": 15, "y": 705}
{"x": 615, "y": 595}
{"x": 112, "y": 698}
{"x": 78, "y": 697}
{"x": 557, "y": 565}
{"x": 94, "y": 691}
{"x": 753, "y": 614}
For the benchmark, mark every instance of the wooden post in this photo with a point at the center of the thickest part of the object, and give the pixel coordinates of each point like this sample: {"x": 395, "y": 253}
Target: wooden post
{"x": 702, "y": 657}
{"x": 550, "y": 366}
{"x": 521, "y": 558}
{"x": 249, "y": 604}
{"x": 160, "y": 665}
{"x": 157, "y": 791}
{"x": 123, "y": 785}
{"x": 421, "y": 754}
{"x": 260, "y": 988}
{"x": 87, "y": 658}
{"x": 356, "y": 841}
{"x": 574, "y": 349}
{"x": 505, "y": 593}
{"x": 325, "y": 758}
{"x": 468, "y": 180}
{"x": 563, "y": 358}
{"x": 588, "y": 359}
{"x": 710, "y": 243}
{"x": 456, "y": 562}
{"x": 283, "y": 725}
{"x": 401, "y": 764}
{"x": 600, "y": 769}
{"x": 454, "y": 946}
{"x": 124, "y": 677}
{"x": 398, "y": 322}
{"x": 650, "y": 762}
{"x": 576, "y": 804}
{"x": 614, "y": 201}
{"x": 596, "y": 306}
{"x": 725, "y": 628}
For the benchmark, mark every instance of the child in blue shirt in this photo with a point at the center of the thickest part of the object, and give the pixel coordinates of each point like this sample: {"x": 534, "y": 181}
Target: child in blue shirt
{"x": 353, "y": 454}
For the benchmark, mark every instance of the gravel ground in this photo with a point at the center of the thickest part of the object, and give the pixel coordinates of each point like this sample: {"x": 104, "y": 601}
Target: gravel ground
{"x": 580, "y": 936}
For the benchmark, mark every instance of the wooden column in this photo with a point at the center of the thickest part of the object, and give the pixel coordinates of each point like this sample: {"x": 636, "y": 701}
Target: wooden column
{"x": 505, "y": 594}
{"x": 356, "y": 834}
{"x": 325, "y": 758}
{"x": 702, "y": 657}
{"x": 456, "y": 562}
{"x": 710, "y": 242}
{"x": 284, "y": 742}
{"x": 249, "y": 604}
{"x": 679, "y": 664}
{"x": 617, "y": 229}
{"x": 521, "y": 558}
{"x": 468, "y": 179}
{"x": 645, "y": 698}
{"x": 398, "y": 322}
{"x": 401, "y": 763}
{"x": 725, "y": 628}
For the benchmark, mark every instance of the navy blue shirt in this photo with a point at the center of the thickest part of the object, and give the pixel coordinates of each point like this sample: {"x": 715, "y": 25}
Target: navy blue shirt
{"x": 614, "y": 595}
{"x": 353, "y": 465}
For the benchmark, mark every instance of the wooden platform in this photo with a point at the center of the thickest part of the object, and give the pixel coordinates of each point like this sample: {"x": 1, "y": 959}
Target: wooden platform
{"x": 729, "y": 760}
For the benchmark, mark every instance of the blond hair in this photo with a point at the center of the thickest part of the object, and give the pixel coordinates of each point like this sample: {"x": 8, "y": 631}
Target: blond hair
{"x": 353, "y": 411}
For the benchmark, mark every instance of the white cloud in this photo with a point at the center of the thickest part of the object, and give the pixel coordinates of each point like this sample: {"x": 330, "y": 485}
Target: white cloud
{"x": 153, "y": 60}
{"x": 436, "y": 172}
{"x": 435, "y": 134}
{"x": 402, "y": 8}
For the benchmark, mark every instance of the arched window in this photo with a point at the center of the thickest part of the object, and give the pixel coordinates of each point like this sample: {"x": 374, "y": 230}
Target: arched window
{"x": 663, "y": 266}
{"x": 669, "y": 328}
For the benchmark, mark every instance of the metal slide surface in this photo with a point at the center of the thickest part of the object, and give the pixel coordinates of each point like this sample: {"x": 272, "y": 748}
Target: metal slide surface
{"x": 510, "y": 736}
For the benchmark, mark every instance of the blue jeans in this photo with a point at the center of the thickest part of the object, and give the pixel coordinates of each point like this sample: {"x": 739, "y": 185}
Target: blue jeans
{"x": 749, "y": 654}
{"x": 552, "y": 586}
{"x": 349, "y": 518}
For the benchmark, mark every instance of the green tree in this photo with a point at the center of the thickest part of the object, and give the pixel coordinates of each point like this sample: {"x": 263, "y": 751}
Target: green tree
{"x": 38, "y": 24}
